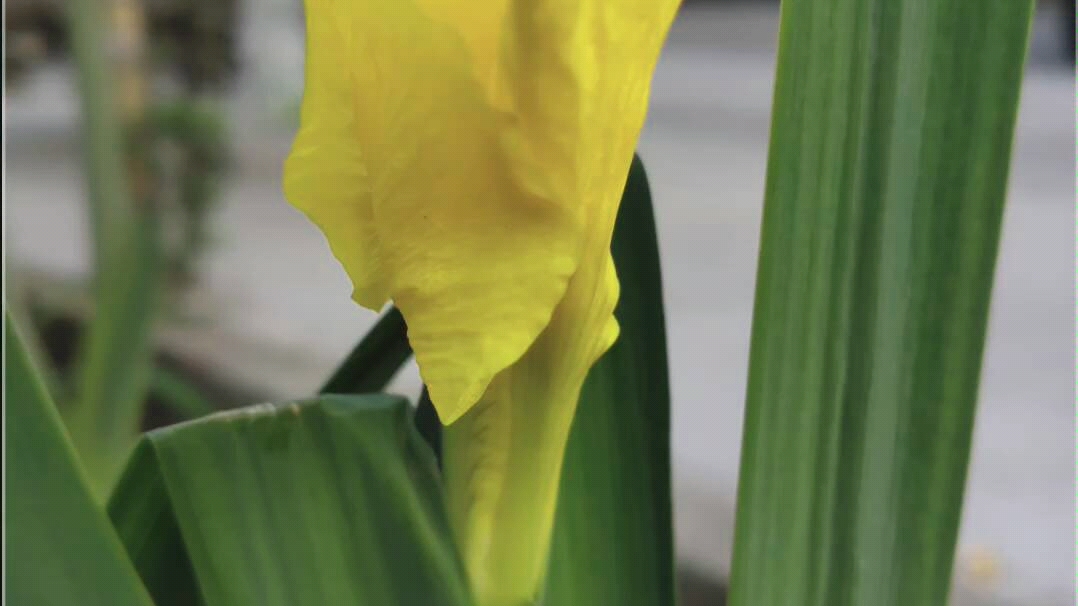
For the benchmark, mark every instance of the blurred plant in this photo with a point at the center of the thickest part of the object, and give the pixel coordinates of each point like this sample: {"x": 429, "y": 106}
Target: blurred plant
{"x": 195, "y": 134}
{"x": 196, "y": 41}
{"x": 890, "y": 145}
{"x": 193, "y": 41}
{"x": 132, "y": 202}
{"x": 114, "y": 362}
{"x": 22, "y": 51}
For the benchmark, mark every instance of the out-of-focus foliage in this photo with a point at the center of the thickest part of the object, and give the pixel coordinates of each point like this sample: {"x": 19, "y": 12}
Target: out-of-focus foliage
{"x": 153, "y": 169}
{"x": 194, "y": 40}
{"x": 192, "y": 158}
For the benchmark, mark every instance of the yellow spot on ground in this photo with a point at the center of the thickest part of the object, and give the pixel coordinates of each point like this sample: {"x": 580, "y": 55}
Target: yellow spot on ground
{"x": 984, "y": 568}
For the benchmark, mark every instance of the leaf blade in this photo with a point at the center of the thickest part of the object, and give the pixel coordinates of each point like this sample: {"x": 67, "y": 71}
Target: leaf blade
{"x": 141, "y": 511}
{"x": 53, "y": 523}
{"x": 332, "y": 501}
{"x": 891, "y": 137}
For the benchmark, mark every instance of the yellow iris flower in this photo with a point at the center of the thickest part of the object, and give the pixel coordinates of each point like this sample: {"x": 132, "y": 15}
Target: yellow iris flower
{"x": 465, "y": 159}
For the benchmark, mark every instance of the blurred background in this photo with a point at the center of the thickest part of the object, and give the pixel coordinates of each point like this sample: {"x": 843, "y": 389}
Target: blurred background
{"x": 258, "y": 309}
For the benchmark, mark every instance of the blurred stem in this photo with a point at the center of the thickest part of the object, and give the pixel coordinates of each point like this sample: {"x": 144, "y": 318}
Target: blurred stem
{"x": 115, "y": 356}
{"x": 111, "y": 204}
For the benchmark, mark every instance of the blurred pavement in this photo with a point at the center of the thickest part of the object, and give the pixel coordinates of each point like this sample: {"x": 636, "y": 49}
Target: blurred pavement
{"x": 272, "y": 282}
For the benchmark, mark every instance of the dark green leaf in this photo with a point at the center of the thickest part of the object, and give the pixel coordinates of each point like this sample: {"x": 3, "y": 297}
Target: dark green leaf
{"x": 428, "y": 424}
{"x": 60, "y": 547}
{"x": 142, "y": 513}
{"x": 613, "y": 540}
{"x": 183, "y": 398}
{"x": 333, "y": 501}
{"x": 374, "y": 361}
{"x": 891, "y": 138}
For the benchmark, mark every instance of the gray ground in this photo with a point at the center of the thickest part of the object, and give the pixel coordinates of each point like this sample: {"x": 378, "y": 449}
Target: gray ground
{"x": 273, "y": 285}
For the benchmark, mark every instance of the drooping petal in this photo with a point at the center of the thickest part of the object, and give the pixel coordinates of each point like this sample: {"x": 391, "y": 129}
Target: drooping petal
{"x": 469, "y": 218}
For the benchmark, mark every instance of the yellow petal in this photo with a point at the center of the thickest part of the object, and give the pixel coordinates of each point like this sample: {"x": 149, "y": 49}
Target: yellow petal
{"x": 455, "y": 209}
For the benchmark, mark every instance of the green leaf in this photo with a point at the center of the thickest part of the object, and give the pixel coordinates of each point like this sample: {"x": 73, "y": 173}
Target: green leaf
{"x": 142, "y": 513}
{"x": 428, "y": 424}
{"x": 332, "y": 501}
{"x": 612, "y": 539}
{"x": 891, "y": 138}
{"x": 375, "y": 359}
{"x": 60, "y": 546}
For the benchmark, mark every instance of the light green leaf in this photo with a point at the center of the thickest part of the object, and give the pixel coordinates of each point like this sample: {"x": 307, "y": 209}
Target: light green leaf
{"x": 332, "y": 501}
{"x": 60, "y": 547}
{"x": 612, "y": 539}
{"x": 115, "y": 357}
{"x": 891, "y": 138}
